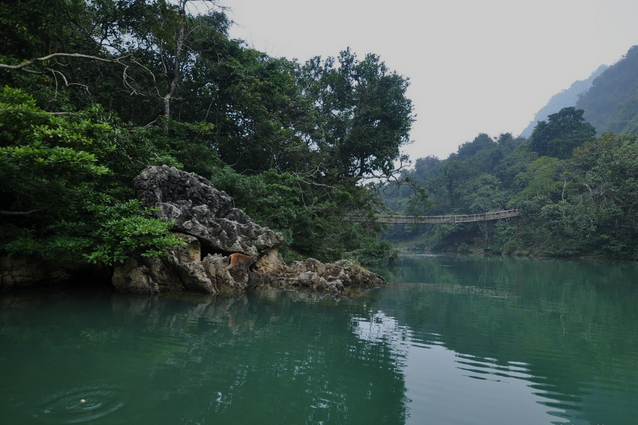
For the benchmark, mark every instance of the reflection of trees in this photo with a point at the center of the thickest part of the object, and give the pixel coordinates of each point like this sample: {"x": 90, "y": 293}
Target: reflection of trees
{"x": 275, "y": 357}
{"x": 258, "y": 359}
{"x": 572, "y": 322}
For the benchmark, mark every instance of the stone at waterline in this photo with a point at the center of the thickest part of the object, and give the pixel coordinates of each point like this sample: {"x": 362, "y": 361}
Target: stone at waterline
{"x": 182, "y": 269}
{"x": 24, "y": 271}
{"x": 207, "y": 216}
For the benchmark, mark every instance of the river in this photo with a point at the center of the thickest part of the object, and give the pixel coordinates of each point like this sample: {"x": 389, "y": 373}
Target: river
{"x": 452, "y": 340}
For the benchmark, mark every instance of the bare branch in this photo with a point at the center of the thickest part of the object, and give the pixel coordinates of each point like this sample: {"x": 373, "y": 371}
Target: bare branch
{"x": 18, "y": 213}
{"x": 58, "y": 75}
{"x": 59, "y": 55}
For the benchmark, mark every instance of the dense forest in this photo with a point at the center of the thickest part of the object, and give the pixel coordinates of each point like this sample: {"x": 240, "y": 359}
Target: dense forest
{"x": 575, "y": 183}
{"x": 578, "y": 194}
{"x": 91, "y": 92}
{"x": 611, "y": 104}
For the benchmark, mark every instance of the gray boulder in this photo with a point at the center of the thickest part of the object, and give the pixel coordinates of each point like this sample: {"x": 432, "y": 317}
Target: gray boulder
{"x": 315, "y": 276}
{"x": 200, "y": 210}
{"x": 207, "y": 221}
{"x": 181, "y": 269}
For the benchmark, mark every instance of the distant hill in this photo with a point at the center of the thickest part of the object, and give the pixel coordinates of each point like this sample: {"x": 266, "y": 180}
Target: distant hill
{"x": 611, "y": 104}
{"x": 564, "y": 99}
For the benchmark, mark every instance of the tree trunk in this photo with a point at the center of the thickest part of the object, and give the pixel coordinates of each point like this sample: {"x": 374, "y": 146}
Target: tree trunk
{"x": 172, "y": 88}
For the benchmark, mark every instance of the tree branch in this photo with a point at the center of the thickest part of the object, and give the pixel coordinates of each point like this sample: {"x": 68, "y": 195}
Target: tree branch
{"x": 59, "y": 55}
{"x": 18, "y": 213}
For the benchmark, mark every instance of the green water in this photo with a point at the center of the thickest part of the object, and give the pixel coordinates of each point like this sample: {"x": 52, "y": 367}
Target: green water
{"x": 457, "y": 341}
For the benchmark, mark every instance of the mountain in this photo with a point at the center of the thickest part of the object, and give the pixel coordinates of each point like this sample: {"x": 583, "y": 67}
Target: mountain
{"x": 564, "y": 99}
{"x": 611, "y": 104}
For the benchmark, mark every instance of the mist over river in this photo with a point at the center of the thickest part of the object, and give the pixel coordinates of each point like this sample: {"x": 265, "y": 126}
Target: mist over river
{"x": 451, "y": 340}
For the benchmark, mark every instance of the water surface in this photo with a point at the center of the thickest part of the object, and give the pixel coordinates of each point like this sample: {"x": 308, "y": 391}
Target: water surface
{"x": 453, "y": 340}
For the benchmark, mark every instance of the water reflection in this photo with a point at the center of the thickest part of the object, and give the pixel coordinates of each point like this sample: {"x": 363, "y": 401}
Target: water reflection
{"x": 459, "y": 341}
{"x": 262, "y": 358}
{"x": 565, "y": 325}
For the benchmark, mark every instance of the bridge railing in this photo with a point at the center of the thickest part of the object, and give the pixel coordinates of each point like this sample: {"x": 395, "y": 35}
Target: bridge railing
{"x": 439, "y": 219}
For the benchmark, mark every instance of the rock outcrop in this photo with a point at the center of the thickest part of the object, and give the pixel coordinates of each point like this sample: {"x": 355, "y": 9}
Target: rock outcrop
{"x": 183, "y": 269}
{"x": 200, "y": 210}
{"x": 311, "y": 274}
{"x": 212, "y": 228}
{"x": 23, "y": 271}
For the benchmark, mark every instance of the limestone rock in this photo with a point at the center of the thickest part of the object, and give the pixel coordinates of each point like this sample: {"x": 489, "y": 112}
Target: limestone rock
{"x": 23, "y": 271}
{"x": 205, "y": 217}
{"x": 200, "y": 210}
{"x": 180, "y": 270}
{"x": 311, "y": 274}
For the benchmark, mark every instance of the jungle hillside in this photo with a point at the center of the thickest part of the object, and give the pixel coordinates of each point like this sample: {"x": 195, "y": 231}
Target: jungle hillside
{"x": 574, "y": 181}
{"x": 92, "y": 92}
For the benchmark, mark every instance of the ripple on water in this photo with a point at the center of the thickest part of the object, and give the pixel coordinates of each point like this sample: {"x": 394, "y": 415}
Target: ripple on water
{"x": 81, "y": 405}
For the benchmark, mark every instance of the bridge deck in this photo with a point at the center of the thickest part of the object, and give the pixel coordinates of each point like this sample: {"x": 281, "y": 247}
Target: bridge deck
{"x": 439, "y": 219}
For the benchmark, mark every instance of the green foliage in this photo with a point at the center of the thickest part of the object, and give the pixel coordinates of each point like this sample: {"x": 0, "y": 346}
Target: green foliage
{"x": 561, "y": 133}
{"x": 47, "y": 162}
{"x": 57, "y": 189}
{"x": 30, "y": 26}
{"x": 185, "y": 145}
{"x": 137, "y": 83}
{"x": 123, "y": 230}
{"x": 484, "y": 194}
{"x": 585, "y": 205}
{"x": 541, "y": 178}
{"x": 362, "y": 112}
{"x": 377, "y": 252}
{"x": 310, "y": 216}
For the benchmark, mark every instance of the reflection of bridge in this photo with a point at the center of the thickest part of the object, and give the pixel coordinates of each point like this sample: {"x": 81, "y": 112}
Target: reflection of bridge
{"x": 440, "y": 219}
{"x": 467, "y": 289}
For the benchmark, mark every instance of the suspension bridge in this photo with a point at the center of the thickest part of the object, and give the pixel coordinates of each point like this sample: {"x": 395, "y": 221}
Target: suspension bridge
{"x": 440, "y": 219}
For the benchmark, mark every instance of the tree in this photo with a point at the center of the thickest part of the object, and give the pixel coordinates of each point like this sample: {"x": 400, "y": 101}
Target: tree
{"x": 310, "y": 216}
{"x": 258, "y": 111}
{"x": 58, "y": 50}
{"x": 606, "y": 200}
{"x": 542, "y": 178}
{"x": 33, "y": 28}
{"x": 561, "y": 133}
{"x": 58, "y": 197}
{"x": 363, "y": 116}
{"x": 469, "y": 149}
{"x": 130, "y": 83}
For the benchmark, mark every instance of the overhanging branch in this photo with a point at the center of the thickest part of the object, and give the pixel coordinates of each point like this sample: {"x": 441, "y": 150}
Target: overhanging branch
{"x": 18, "y": 213}
{"x": 59, "y": 75}
{"x": 59, "y": 55}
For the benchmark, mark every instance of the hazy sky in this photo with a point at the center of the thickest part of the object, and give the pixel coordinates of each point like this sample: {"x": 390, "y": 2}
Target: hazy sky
{"x": 475, "y": 66}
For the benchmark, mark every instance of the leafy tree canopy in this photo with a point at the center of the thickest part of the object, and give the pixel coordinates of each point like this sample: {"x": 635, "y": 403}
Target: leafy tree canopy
{"x": 363, "y": 115}
{"x": 561, "y": 133}
{"x": 59, "y": 198}
{"x": 97, "y": 90}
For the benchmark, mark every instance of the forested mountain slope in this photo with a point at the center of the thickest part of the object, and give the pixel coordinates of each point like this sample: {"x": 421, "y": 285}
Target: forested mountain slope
{"x": 564, "y": 99}
{"x": 611, "y": 104}
{"x": 575, "y": 179}
{"x": 578, "y": 194}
